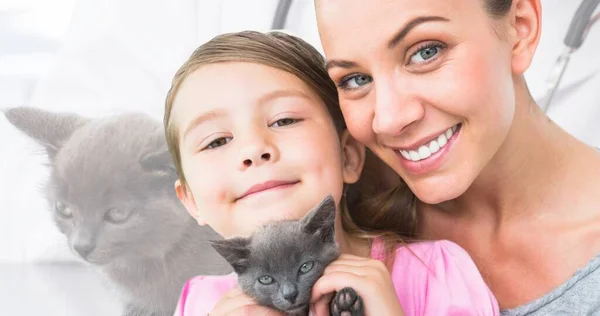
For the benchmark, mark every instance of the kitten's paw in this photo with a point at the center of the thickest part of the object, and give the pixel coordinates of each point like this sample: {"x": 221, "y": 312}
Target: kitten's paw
{"x": 346, "y": 303}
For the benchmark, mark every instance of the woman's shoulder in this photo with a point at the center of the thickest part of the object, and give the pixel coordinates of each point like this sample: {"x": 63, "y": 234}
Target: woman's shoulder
{"x": 201, "y": 293}
{"x": 440, "y": 276}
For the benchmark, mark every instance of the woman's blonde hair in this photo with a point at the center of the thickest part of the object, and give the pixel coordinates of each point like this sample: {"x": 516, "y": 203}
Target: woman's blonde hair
{"x": 367, "y": 210}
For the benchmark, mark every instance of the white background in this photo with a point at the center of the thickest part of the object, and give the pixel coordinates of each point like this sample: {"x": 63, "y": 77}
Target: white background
{"x": 110, "y": 56}
{"x": 103, "y": 57}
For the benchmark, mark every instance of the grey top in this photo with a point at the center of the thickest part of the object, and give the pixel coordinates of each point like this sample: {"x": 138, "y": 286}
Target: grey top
{"x": 580, "y": 295}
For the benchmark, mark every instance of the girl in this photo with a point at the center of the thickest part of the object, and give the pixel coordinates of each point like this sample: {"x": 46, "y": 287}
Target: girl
{"x": 436, "y": 89}
{"x": 253, "y": 124}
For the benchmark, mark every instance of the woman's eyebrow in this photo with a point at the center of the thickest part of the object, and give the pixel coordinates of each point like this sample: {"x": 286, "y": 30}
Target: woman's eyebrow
{"x": 396, "y": 39}
{"x": 401, "y": 34}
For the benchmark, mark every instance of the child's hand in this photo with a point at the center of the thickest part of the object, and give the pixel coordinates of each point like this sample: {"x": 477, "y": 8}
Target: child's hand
{"x": 368, "y": 277}
{"x": 235, "y": 302}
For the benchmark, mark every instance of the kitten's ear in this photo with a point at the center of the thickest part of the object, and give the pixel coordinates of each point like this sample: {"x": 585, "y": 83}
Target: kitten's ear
{"x": 235, "y": 250}
{"x": 49, "y": 129}
{"x": 321, "y": 220}
{"x": 158, "y": 158}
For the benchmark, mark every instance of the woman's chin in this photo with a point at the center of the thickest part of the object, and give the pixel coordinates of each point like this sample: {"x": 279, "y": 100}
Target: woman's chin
{"x": 436, "y": 192}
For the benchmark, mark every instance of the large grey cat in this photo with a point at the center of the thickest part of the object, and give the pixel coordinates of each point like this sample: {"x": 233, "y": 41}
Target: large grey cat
{"x": 112, "y": 196}
{"x": 279, "y": 264}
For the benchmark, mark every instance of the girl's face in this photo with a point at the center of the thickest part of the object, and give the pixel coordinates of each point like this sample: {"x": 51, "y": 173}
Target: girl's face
{"x": 257, "y": 145}
{"x": 427, "y": 85}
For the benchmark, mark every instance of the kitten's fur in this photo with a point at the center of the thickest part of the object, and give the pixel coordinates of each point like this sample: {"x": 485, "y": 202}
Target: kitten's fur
{"x": 116, "y": 177}
{"x": 280, "y": 253}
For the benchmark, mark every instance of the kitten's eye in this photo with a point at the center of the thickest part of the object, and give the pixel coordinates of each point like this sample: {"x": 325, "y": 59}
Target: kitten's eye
{"x": 265, "y": 279}
{"x": 116, "y": 215}
{"x": 306, "y": 267}
{"x": 62, "y": 209}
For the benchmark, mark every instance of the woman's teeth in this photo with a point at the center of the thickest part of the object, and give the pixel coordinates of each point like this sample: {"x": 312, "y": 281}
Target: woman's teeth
{"x": 430, "y": 148}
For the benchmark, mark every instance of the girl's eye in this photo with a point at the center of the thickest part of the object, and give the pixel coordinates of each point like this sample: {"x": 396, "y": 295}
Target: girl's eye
{"x": 284, "y": 122}
{"x": 425, "y": 53}
{"x": 354, "y": 81}
{"x": 218, "y": 142}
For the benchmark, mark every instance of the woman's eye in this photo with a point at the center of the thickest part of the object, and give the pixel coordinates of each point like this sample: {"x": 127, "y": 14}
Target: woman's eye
{"x": 285, "y": 122}
{"x": 355, "y": 81}
{"x": 218, "y": 142}
{"x": 426, "y": 53}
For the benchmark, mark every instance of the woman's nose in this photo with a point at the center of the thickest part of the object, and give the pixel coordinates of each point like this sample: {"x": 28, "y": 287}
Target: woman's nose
{"x": 395, "y": 110}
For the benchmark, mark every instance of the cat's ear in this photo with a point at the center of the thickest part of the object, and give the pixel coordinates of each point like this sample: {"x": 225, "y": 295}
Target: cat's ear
{"x": 321, "y": 220}
{"x": 158, "y": 158}
{"x": 49, "y": 129}
{"x": 236, "y": 252}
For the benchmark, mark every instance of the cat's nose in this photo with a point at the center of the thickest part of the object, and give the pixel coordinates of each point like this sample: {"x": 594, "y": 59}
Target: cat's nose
{"x": 290, "y": 292}
{"x": 83, "y": 249}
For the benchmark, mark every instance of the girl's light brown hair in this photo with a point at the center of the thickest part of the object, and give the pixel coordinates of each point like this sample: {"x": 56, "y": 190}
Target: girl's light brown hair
{"x": 367, "y": 210}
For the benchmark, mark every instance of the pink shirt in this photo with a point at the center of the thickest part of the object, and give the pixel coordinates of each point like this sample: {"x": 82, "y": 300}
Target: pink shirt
{"x": 430, "y": 278}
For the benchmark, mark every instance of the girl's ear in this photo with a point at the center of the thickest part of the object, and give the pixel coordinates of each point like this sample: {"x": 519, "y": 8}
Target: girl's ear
{"x": 187, "y": 199}
{"x": 353, "y": 155}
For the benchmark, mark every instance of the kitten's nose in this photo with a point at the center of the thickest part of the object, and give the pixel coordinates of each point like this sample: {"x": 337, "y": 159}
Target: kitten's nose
{"x": 290, "y": 292}
{"x": 83, "y": 249}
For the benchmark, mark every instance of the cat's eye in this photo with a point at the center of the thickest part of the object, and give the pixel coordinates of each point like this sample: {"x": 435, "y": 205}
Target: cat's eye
{"x": 116, "y": 215}
{"x": 306, "y": 267}
{"x": 62, "y": 209}
{"x": 265, "y": 279}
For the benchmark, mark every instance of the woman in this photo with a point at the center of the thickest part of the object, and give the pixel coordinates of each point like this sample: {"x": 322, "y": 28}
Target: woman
{"x": 435, "y": 88}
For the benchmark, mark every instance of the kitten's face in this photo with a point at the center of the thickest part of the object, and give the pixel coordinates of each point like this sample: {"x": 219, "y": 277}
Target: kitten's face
{"x": 280, "y": 263}
{"x": 117, "y": 220}
{"x": 111, "y": 183}
{"x": 106, "y": 203}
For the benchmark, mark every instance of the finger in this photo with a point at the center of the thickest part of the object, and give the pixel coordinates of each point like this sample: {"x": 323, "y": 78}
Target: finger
{"x": 346, "y": 256}
{"x": 346, "y": 262}
{"x": 356, "y": 270}
{"x": 233, "y": 305}
{"x": 256, "y": 310}
{"x": 321, "y": 307}
{"x": 370, "y": 266}
{"x": 333, "y": 282}
{"x": 235, "y": 291}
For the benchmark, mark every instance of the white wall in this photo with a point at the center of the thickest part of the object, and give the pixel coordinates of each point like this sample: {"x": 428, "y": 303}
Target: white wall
{"x": 120, "y": 55}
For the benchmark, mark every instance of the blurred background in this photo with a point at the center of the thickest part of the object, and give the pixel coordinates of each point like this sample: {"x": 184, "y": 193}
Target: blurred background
{"x": 105, "y": 57}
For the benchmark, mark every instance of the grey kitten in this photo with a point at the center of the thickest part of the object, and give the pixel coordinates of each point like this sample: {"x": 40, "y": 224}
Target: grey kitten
{"x": 279, "y": 264}
{"x": 111, "y": 193}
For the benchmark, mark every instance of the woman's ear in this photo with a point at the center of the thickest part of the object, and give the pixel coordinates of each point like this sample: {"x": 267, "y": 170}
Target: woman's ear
{"x": 187, "y": 199}
{"x": 353, "y": 155}
{"x": 526, "y": 22}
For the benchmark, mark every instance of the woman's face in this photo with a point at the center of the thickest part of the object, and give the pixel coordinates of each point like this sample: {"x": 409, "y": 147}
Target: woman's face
{"x": 427, "y": 85}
